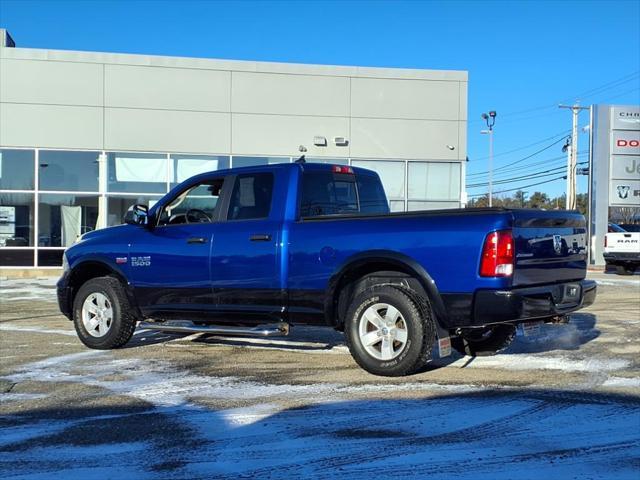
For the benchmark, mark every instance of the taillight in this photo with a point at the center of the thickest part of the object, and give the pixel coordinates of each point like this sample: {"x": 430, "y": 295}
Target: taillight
{"x": 497, "y": 255}
{"x": 339, "y": 169}
{"x": 605, "y": 241}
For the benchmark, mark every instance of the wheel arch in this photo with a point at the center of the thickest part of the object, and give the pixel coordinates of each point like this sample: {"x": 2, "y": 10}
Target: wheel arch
{"x": 376, "y": 266}
{"x": 94, "y": 268}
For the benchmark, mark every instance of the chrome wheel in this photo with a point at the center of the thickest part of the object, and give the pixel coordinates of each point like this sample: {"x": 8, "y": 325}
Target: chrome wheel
{"x": 383, "y": 331}
{"x": 97, "y": 314}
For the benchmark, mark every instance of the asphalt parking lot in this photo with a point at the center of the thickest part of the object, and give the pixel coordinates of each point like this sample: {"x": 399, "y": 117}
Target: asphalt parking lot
{"x": 564, "y": 403}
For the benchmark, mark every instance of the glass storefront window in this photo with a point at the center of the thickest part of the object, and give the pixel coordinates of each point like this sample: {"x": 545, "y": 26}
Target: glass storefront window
{"x": 16, "y": 219}
{"x": 68, "y": 171}
{"x": 62, "y": 218}
{"x": 50, "y": 258}
{"x": 186, "y": 166}
{"x": 396, "y": 205}
{"x": 392, "y": 176}
{"x": 16, "y": 258}
{"x": 251, "y": 161}
{"x": 137, "y": 172}
{"x": 17, "y": 169}
{"x": 434, "y": 181}
{"x": 334, "y": 161}
{"x": 117, "y": 206}
{"x": 417, "y": 205}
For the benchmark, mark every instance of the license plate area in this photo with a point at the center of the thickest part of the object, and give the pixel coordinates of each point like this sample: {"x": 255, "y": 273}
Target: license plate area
{"x": 529, "y": 329}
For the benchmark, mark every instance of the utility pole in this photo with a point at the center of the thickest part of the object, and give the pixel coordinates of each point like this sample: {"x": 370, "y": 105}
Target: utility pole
{"x": 490, "y": 118}
{"x": 573, "y": 157}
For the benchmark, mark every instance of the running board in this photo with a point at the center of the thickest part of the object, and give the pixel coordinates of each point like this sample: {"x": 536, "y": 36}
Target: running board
{"x": 185, "y": 326}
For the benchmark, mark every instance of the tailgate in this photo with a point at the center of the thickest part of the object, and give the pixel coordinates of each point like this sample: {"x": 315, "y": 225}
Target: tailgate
{"x": 623, "y": 243}
{"x": 550, "y": 246}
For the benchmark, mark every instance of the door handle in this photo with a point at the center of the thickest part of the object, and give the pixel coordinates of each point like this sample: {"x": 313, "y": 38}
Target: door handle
{"x": 261, "y": 237}
{"x": 196, "y": 240}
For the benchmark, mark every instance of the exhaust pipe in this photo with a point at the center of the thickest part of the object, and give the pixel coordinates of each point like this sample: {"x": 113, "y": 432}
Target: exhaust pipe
{"x": 184, "y": 326}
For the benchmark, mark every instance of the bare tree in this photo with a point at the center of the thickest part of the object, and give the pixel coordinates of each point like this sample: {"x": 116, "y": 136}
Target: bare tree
{"x": 624, "y": 214}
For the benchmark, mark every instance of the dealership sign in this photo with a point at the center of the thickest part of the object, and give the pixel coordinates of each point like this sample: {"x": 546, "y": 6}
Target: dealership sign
{"x": 624, "y": 157}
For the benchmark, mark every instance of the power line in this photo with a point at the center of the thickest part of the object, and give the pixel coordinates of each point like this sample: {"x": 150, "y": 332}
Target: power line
{"x": 545, "y": 173}
{"x": 608, "y": 86}
{"x": 535, "y": 165}
{"x": 522, "y": 159}
{"x": 520, "y": 187}
{"x": 560, "y": 134}
{"x": 587, "y": 93}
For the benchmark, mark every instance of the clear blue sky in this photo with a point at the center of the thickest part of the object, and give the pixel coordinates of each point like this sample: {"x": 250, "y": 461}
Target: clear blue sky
{"x": 521, "y": 56}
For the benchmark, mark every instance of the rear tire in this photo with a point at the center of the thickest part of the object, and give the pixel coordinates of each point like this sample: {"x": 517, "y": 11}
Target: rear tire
{"x": 626, "y": 269}
{"x": 102, "y": 314}
{"x": 484, "y": 342}
{"x": 388, "y": 332}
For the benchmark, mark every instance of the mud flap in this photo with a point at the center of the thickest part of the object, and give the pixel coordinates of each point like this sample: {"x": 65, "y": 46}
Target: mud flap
{"x": 444, "y": 342}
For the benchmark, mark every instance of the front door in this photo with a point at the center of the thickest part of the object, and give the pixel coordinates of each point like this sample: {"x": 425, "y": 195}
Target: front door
{"x": 170, "y": 263}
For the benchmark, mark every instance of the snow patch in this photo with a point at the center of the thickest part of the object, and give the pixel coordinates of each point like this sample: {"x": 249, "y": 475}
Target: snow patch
{"x": 18, "y": 397}
{"x": 622, "y": 382}
{"x": 20, "y": 328}
{"x": 530, "y": 362}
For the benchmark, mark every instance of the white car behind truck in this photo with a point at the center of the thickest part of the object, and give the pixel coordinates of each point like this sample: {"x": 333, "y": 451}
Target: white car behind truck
{"x": 622, "y": 250}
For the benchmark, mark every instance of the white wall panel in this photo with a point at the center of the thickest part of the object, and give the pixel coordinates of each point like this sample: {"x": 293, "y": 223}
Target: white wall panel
{"x": 410, "y": 139}
{"x": 166, "y": 131}
{"x": 61, "y": 83}
{"x": 167, "y": 88}
{"x": 282, "y": 135}
{"x": 290, "y": 94}
{"x": 51, "y": 126}
{"x": 419, "y": 99}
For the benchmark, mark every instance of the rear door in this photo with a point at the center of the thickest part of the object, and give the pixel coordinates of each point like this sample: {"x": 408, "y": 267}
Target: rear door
{"x": 550, "y": 246}
{"x": 245, "y": 262}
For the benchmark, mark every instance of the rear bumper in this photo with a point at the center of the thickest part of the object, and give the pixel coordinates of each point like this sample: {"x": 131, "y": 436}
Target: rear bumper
{"x": 487, "y": 307}
{"x": 626, "y": 257}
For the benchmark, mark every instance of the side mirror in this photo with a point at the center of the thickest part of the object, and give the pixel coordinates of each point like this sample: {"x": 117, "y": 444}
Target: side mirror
{"x": 137, "y": 215}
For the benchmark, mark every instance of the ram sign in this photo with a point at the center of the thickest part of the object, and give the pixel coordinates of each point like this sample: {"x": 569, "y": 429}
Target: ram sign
{"x": 615, "y": 167}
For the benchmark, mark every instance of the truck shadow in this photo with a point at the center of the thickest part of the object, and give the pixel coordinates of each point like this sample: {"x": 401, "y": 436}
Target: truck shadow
{"x": 498, "y": 433}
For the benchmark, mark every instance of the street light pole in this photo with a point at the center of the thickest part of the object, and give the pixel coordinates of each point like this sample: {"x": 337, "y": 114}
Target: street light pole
{"x": 490, "y": 118}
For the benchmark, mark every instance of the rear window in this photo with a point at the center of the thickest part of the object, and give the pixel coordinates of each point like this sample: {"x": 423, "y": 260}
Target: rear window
{"x": 328, "y": 193}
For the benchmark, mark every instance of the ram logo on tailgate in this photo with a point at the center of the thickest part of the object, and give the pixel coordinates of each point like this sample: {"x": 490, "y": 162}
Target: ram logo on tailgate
{"x": 557, "y": 244}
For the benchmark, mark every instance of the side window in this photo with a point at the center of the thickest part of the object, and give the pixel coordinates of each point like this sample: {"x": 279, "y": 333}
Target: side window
{"x": 251, "y": 196}
{"x": 199, "y": 204}
{"x": 327, "y": 193}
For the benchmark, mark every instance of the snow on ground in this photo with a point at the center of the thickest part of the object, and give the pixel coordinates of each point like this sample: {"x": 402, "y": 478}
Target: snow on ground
{"x": 342, "y": 429}
{"x": 462, "y": 436}
{"x": 15, "y": 290}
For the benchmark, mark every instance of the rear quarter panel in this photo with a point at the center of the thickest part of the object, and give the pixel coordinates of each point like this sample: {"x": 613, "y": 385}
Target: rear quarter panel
{"x": 448, "y": 246}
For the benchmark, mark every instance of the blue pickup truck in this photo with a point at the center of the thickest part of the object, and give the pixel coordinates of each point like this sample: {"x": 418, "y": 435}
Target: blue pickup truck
{"x": 251, "y": 251}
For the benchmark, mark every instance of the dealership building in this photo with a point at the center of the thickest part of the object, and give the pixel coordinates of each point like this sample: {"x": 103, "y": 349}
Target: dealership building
{"x": 83, "y": 135}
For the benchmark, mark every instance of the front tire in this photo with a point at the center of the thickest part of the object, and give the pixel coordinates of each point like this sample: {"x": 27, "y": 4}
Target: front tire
{"x": 102, "y": 314}
{"x": 484, "y": 342}
{"x": 388, "y": 332}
